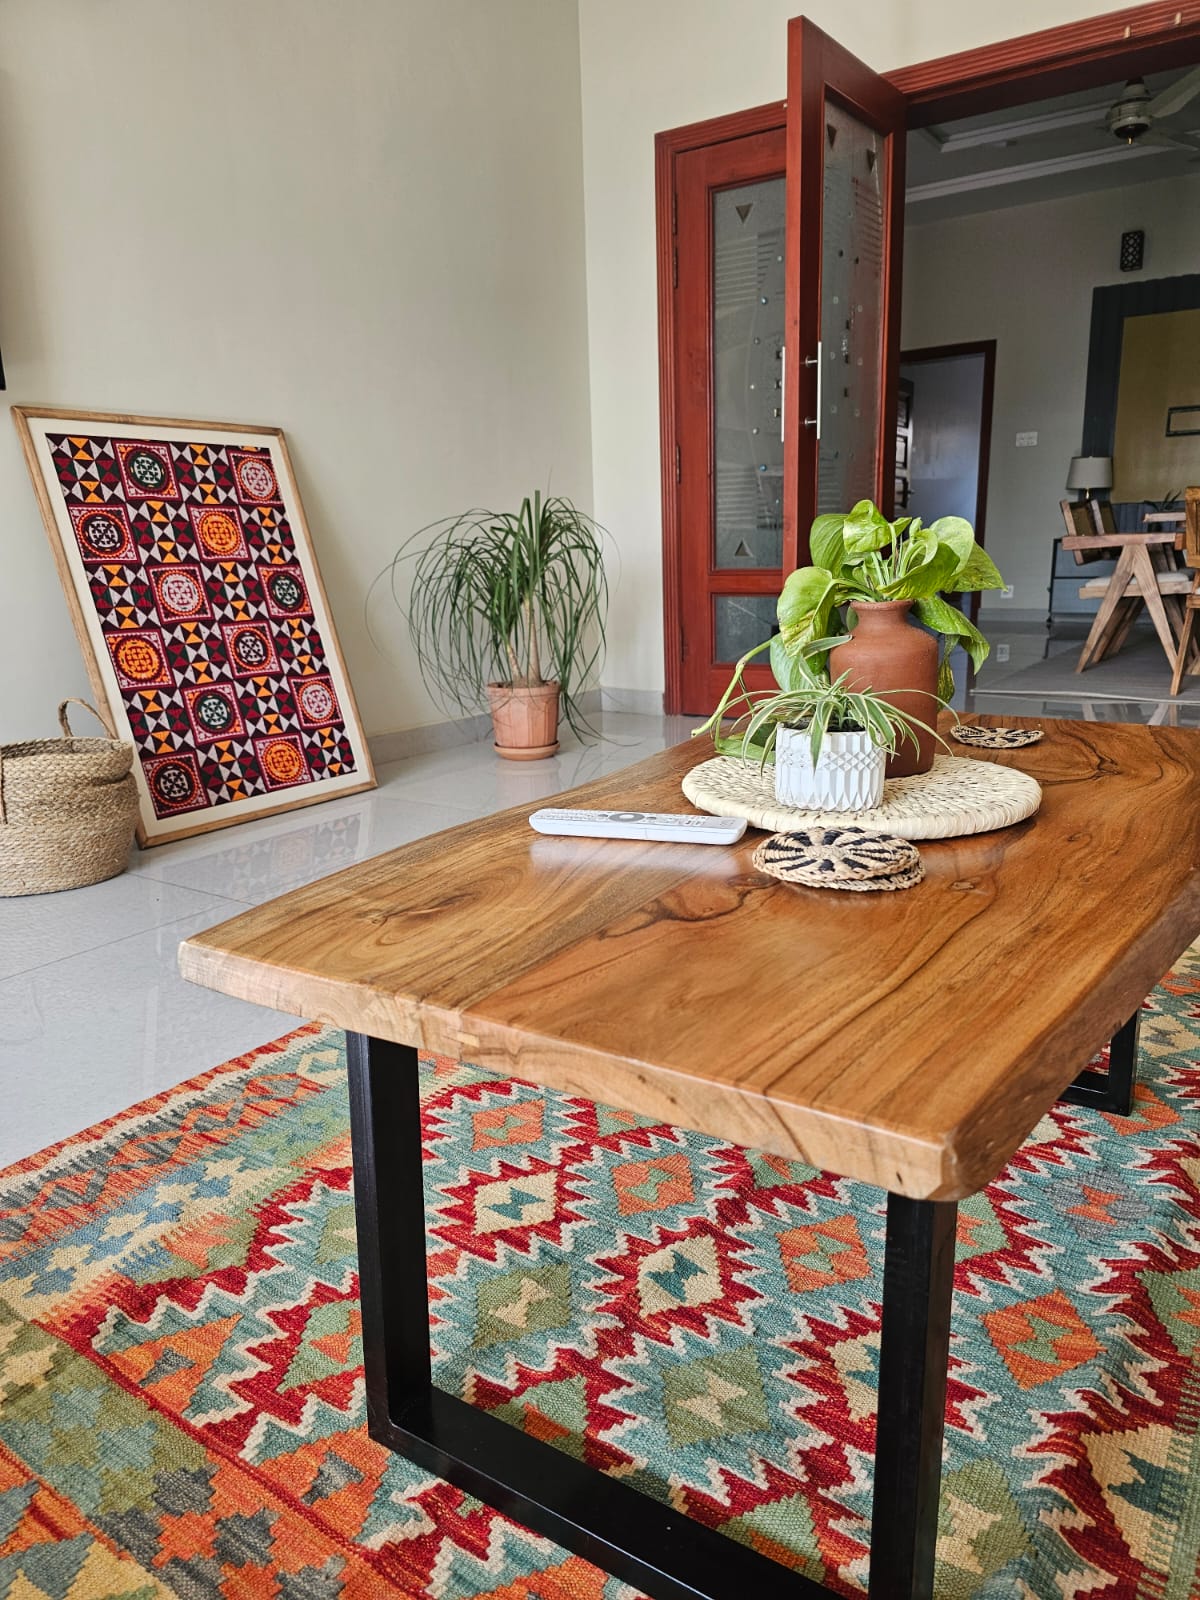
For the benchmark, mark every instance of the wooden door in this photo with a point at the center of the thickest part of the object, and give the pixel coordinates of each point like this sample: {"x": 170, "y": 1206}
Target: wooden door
{"x": 845, "y": 222}
{"x": 729, "y": 317}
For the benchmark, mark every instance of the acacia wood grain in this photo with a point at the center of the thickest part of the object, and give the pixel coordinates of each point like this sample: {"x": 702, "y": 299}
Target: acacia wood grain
{"x": 910, "y": 1040}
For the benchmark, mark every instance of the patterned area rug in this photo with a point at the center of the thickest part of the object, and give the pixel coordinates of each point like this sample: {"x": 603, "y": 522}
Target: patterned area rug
{"x": 181, "y": 1406}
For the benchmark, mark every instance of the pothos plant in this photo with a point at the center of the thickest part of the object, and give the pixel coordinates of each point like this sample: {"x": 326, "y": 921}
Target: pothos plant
{"x": 862, "y": 556}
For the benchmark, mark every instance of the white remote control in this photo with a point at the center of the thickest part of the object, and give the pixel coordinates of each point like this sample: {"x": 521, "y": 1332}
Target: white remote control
{"x": 682, "y": 827}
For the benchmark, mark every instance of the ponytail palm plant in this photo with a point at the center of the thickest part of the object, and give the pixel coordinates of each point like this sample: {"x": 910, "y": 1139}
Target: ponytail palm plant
{"x": 518, "y": 599}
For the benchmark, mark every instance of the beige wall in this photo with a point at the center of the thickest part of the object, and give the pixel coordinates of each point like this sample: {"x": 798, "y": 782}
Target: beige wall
{"x": 360, "y": 221}
{"x": 655, "y": 64}
{"x": 1024, "y": 277}
{"x": 365, "y": 222}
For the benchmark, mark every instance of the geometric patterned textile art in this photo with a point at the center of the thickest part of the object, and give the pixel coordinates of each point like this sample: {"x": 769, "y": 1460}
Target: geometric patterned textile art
{"x": 187, "y": 564}
{"x": 181, "y": 1395}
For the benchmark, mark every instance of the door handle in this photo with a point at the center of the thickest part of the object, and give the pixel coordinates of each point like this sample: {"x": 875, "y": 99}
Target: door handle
{"x": 815, "y": 361}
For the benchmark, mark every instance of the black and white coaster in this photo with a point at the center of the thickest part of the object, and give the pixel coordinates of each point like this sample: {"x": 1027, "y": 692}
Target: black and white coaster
{"x": 840, "y": 858}
{"x": 996, "y": 738}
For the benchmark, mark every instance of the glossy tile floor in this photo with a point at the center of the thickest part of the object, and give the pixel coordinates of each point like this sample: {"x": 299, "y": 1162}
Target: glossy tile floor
{"x": 93, "y": 1014}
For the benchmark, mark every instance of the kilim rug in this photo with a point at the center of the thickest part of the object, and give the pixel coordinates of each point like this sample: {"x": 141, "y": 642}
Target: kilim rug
{"x": 181, "y": 1403}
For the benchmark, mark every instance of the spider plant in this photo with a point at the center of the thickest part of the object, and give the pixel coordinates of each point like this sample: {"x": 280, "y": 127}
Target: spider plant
{"x": 517, "y": 598}
{"x": 809, "y": 700}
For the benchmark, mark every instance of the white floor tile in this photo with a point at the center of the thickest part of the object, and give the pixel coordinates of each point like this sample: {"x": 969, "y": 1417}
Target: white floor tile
{"x": 35, "y": 929}
{"x": 93, "y": 1014}
{"x": 273, "y": 861}
{"x": 83, "y": 1038}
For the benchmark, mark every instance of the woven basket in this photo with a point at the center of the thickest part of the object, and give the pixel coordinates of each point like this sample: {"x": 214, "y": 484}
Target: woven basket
{"x": 68, "y": 808}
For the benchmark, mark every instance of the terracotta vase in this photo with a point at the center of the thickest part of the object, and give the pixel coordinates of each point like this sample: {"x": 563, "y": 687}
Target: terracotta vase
{"x": 524, "y": 720}
{"x": 900, "y": 662}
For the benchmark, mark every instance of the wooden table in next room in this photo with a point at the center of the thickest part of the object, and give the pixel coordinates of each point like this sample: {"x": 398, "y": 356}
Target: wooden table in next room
{"x": 908, "y": 1040}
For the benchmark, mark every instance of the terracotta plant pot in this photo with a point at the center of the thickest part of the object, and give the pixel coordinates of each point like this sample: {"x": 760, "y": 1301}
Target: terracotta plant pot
{"x": 524, "y": 720}
{"x": 900, "y": 662}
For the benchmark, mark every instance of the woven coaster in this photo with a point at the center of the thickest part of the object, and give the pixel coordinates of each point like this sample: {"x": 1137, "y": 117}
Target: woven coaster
{"x": 996, "y": 738}
{"x": 840, "y": 858}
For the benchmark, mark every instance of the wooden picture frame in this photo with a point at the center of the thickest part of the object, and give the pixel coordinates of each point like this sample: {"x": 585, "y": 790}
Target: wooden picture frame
{"x": 189, "y": 573}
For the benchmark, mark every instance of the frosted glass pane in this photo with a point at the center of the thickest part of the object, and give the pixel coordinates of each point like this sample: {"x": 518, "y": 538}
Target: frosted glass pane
{"x": 740, "y": 621}
{"x": 851, "y": 310}
{"x": 748, "y": 224}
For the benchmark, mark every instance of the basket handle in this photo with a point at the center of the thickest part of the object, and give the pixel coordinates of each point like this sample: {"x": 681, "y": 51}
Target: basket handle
{"x": 67, "y": 734}
{"x": 66, "y": 726}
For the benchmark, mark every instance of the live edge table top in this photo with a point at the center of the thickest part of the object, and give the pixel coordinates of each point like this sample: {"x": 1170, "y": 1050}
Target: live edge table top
{"x": 910, "y": 1040}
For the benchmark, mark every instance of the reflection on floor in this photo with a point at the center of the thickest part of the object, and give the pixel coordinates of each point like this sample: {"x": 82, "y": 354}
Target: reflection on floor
{"x": 1132, "y": 686}
{"x": 93, "y": 1015}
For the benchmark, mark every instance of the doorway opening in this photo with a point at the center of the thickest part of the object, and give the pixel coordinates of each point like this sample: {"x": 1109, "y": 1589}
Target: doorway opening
{"x": 944, "y": 433}
{"x": 1075, "y": 60}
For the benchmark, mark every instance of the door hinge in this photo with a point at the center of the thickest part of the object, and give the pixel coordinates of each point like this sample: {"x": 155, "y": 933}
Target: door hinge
{"x": 678, "y": 464}
{"x": 683, "y": 645}
{"x": 674, "y": 211}
{"x": 675, "y": 266}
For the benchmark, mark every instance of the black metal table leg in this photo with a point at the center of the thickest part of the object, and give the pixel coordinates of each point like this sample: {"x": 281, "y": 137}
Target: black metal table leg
{"x": 637, "y": 1539}
{"x": 1112, "y": 1090}
{"x": 918, "y": 1281}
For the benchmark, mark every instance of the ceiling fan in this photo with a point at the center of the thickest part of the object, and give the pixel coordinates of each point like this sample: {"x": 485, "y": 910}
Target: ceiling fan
{"x": 1136, "y": 114}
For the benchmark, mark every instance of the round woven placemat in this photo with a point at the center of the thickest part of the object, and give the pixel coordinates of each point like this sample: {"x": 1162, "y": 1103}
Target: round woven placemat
{"x": 957, "y": 796}
{"x": 840, "y": 858}
{"x": 995, "y": 738}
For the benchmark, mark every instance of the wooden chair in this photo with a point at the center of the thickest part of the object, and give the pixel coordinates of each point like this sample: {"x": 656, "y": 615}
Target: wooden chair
{"x": 1191, "y": 557}
{"x": 1139, "y": 578}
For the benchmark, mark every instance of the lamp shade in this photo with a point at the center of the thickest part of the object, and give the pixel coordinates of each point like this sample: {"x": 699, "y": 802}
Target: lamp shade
{"x": 1090, "y": 472}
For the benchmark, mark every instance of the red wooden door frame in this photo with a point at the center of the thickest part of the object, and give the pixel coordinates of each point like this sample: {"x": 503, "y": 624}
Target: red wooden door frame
{"x": 668, "y": 147}
{"x": 1077, "y": 55}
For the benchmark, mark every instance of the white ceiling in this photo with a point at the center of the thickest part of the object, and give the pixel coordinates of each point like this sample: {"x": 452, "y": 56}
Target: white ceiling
{"x": 949, "y": 178}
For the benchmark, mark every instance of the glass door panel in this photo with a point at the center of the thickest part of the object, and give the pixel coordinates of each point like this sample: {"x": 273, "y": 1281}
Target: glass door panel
{"x": 845, "y": 215}
{"x": 740, "y": 621}
{"x": 852, "y": 310}
{"x": 748, "y": 290}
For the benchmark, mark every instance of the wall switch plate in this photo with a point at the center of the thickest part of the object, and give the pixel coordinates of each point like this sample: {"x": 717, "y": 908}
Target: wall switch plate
{"x": 1001, "y": 654}
{"x": 1006, "y": 592}
{"x": 1026, "y": 439}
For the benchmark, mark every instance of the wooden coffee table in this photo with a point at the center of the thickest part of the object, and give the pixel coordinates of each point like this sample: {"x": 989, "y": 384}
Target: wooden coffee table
{"x": 908, "y": 1040}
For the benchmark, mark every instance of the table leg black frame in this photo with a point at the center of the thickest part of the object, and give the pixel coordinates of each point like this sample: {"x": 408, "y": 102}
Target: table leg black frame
{"x": 623, "y": 1531}
{"x": 1112, "y": 1090}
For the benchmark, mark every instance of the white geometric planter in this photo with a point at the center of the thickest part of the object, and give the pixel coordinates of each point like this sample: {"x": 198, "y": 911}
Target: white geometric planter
{"x": 848, "y": 775}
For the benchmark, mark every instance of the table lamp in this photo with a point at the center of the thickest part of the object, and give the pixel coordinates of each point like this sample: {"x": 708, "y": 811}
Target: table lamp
{"x": 1087, "y": 473}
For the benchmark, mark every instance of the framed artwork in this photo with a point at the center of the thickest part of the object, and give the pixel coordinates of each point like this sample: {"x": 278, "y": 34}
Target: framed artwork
{"x": 190, "y": 576}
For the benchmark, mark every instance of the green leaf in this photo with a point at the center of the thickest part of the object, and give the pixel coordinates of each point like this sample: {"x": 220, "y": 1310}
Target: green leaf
{"x": 957, "y": 534}
{"x": 866, "y": 529}
{"x": 791, "y": 670}
{"x": 825, "y": 542}
{"x": 979, "y": 572}
{"x": 946, "y": 619}
{"x": 945, "y": 685}
{"x": 806, "y": 600}
{"x": 928, "y": 578}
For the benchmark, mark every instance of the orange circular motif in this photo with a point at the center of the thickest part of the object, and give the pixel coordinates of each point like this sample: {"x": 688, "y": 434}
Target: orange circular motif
{"x": 283, "y": 762}
{"x": 139, "y": 660}
{"x": 219, "y": 533}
